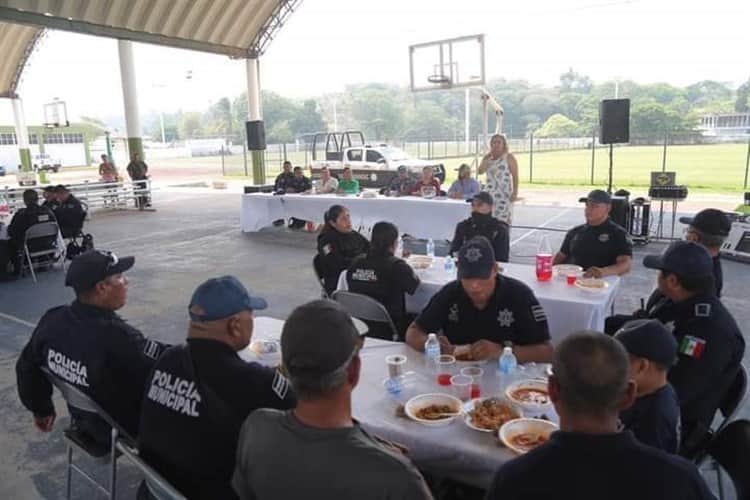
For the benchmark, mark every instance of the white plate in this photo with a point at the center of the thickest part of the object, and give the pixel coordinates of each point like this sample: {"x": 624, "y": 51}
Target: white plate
{"x": 469, "y": 406}
{"x": 563, "y": 270}
{"x": 586, "y": 284}
{"x": 423, "y": 400}
{"x": 419, "y": 261}
{"x": 522, "y": 425}
{"x": 537, "y": 384}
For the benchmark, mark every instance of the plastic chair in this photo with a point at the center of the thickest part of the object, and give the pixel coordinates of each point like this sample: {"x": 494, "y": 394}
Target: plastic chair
{"x": 157, "y": 486}
{"x": 731, "y": 449}
{"x": 365, "y": 308}
{"x": 318, "y": 268}
{"x": 733, "y": 399}
{"x": 51, "y": 246}
{"x": 81, "y": 441}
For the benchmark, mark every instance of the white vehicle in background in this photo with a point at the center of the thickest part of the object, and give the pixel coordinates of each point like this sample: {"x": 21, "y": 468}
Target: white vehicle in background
{"x": 371, "y": 165}
{"x": 26, "y": 178}
{"x": 45, "y": 163}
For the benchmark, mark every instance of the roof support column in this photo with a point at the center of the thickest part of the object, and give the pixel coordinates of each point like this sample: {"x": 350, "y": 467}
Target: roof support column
{"x": 130, "y": 98}
{"x": 22, "y": 134}
{"x": 256, "y": 135}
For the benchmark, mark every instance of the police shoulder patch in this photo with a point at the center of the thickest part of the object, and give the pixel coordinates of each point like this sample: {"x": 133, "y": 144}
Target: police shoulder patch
{"x": 702, "y": 310}
{"x": 604, "y": 237}
{"x": 327, "y": 249}
{"x": 151, "y": 349}
{"x": 280, "y": 384}
{"x": 537, "y": 312}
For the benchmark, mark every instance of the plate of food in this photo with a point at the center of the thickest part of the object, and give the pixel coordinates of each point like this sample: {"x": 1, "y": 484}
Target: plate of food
{"x": 419, "y": 261}
{"x": 531, "y": 395}
{"x": 489, "y": 414}
{"x": 433, "y": 410}
{"x": 524, "y": 434}
{"x": 463, "y": 356}
{"x": 563, "y": 270}
{"x": 592, "y": 284}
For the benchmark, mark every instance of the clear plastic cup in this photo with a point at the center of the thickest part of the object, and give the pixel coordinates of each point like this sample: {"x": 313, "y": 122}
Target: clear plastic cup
{"x": 476, "y": 380}
{"x": 395, "y": 364}
{"x": 445, "y": 365}
{"x": 461, "y": 386}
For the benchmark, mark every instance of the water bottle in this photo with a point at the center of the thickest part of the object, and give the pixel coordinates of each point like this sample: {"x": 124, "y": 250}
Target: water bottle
{"x": 430, "y": 248}
{"x": 544, "y": 260}
{"x": 399, "y": 247}
{"x": 315, "y": 186}
{"x": 449, "y": 265}
{"x": 507, "y": 362}
{"x": 431, "y": 352}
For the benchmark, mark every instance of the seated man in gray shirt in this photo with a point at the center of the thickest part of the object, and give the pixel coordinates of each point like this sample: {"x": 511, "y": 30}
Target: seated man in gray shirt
{"x": 317, "y": 450}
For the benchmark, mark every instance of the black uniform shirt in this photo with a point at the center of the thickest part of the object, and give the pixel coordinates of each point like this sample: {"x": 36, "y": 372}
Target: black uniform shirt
{"x": 512, "y": 314}
{"x": 282, "y": 181}
{"x": 27, "y": 217}
{"x": 654, "y": 419}
{"x": 482, "y": 225}
{"x": 718, "y": 275}
{"x": 70, "y": 215}
{"x": 337, "y": 251}
{"x": 299, "y": 184}
{"x": 196, "y": 400}
{"x": 580, "y": 466}
{"x": 596, "y": 246}
{"x": 96, "y": 351}
{"x": 710, "y": 350}
{"x": 385, "y": 278}
{"x": 402, "y": 186}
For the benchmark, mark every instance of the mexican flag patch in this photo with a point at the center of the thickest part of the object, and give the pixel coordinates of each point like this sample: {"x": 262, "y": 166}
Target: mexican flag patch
{"x": 692, "y": 346}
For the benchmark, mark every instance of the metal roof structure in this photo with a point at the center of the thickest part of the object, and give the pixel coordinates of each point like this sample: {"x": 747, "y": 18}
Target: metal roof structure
{"x": 235, "y": 28}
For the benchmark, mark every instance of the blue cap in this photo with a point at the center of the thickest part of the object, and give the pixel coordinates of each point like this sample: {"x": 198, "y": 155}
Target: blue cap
{"x": 649, "y": 339}
{"x": 476, "y": 259}
{"x": 220, "y": 298}
{"x": 682, "y": 258}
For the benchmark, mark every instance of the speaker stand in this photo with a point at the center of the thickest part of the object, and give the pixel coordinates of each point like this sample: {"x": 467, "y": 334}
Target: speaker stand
{"x": 609, "y": 188}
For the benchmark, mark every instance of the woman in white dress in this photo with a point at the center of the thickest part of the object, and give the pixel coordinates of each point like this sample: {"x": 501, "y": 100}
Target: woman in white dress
{"x": 501, "y": 168}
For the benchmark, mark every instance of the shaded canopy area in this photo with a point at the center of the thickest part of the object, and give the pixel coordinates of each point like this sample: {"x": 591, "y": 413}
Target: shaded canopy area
{"x": 236, "y": 28}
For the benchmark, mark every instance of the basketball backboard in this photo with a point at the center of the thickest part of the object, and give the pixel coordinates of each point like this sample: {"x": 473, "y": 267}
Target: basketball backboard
{"x": 56, "y": 114}
{"x": 446, "y": 64}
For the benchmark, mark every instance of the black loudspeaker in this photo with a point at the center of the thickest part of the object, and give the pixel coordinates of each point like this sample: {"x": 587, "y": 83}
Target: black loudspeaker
{"x": 614, "y": 121}
{"x": 620, "y": 213}
{"x": 256, "y": 135}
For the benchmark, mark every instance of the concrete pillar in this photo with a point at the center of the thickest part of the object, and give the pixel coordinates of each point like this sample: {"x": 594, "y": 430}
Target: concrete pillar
{"x": 130, "y": 98}
{"x": 22, "y": 135}
{"x": 254, "y": 115}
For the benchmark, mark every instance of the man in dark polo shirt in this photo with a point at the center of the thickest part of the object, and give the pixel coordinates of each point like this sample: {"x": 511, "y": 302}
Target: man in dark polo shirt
{"x": 199, "y": 393}
{"x": 588, "y": 459}
{"x": 600, "y": 247}
{"x": 484, "y": 310}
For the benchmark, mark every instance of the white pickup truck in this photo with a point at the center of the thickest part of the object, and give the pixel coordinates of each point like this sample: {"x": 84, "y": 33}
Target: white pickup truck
{"x": 371, "y": 165}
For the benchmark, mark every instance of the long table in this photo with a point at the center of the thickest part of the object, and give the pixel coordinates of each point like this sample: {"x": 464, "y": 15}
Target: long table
{"x": 419, "y": 217}
{"x": 568, "y": 308}
{"x": 454, "y": 450}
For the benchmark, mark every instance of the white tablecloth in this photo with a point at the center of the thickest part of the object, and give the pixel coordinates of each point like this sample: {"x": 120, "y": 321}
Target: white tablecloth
{"x": 422, "y": 218}
{"x": 454, "y": 450}
{"x": 568, "y": 308}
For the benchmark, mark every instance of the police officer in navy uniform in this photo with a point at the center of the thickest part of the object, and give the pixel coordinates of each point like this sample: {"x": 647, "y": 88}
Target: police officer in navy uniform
{"x": 89, "y": 346}
{"x": 710, "y": 344}
{"x": 338, "y": 245}
{"x": 709, "y": 227}
{"x": 284, "y": 178}
{"x": 200, "y": 393}
{"x": 22, "y": 220}
{"x": 600, "y": 247}
{"x": 482, "y": 223}
{"x": 385, "y": 278}
{"x": 69, "y": 212}
{"x": 483, "y": 310}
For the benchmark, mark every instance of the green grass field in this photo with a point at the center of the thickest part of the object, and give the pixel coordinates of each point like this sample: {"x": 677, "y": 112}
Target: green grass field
{"x": 716, "y": 168}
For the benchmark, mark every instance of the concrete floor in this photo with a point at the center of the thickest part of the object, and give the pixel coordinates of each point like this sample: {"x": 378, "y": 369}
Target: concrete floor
{"x": 193, "y": 235}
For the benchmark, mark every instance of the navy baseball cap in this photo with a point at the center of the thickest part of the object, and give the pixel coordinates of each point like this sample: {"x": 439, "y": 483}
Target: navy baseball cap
{"x": 89, "y": 268}
{"x": 318, "y": 338}
{"x": 710, "y": 221}
{"x": 219, "y": 298}
{"x": 476, "y": 259}
{"x": 482, "y": 197}
{"x": 597, "y": 196}
{"x": 682, "y": 258}
{"x": 401, "y": 168}
{"x": 649, "y": 339}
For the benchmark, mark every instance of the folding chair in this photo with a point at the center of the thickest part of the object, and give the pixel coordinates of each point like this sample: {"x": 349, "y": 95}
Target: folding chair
{"x": 366, "y": 308}
{"x": 731, "y": 449}
{"x": 157, "y": 486}
{"x": 79, "y": 440}
{"x": 51, "y": 246}
{"x": 318, "y": 268}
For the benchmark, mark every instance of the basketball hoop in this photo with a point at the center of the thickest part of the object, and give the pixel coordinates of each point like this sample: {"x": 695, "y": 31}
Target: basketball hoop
{"x": 439, "y": 79}
{"x": 56, "y": 114}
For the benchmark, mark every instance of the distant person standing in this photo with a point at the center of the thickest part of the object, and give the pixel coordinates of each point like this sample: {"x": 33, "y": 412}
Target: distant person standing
{"x": 501, "y": 168}
{"x": 107, "y": 170}
{"x": 138, "y": 172}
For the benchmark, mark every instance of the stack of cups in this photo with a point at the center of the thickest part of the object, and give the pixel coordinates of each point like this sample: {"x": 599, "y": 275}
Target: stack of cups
{"x": 395, "y": 363}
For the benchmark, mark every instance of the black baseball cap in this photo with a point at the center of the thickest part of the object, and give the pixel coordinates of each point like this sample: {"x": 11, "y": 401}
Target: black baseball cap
{"x": 89, "y": 268}
{"x": 219, "y": 298}
{"x": 401, "y": 168}
{"x": 597, "y": 196}
{"x": 649, "y": 339}
{"x": 482, "y": 197}
{"x": 682, "y": 258}
{"x": 710, "y": 221}
{"x": 476, "y": 259}
{"x": 318, "y": 338}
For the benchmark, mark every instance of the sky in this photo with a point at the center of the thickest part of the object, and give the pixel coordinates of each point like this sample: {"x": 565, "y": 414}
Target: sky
{"x": 328, "y": 44}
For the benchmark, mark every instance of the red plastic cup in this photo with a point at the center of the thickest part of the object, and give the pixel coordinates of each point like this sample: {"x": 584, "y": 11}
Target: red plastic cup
{"x": 544, "y": 267}
{"x": 572, "y": 279}
{"x": 445, "y": 364}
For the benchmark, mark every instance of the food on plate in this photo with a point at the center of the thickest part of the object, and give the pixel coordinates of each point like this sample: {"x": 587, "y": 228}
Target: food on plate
{"x": 463, "y": 354}
{"x": 592, "y": 283}
{"x": 420, "y": 261}
{"x": 526, "y": 441}
{"x": 436, "y": 412}
{"x": 530, "y": 395}
{"x": 265, "y": 347}
{"x": 491, "y": 414}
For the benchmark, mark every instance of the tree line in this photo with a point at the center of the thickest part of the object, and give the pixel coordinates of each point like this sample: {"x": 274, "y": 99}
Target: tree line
{"x": 390, "y": 112}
